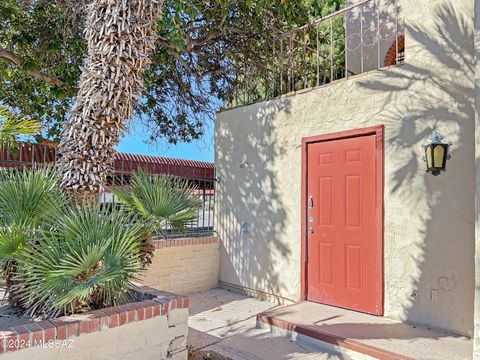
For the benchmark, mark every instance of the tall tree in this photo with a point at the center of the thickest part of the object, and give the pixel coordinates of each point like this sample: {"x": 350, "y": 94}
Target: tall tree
{"x": 41, "y": 51}
{"x": 120, "y": 34}
{"x": 199, "y": 52}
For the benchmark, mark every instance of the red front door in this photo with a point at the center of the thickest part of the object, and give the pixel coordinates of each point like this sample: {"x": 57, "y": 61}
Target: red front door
{"x": 343, "y": 266}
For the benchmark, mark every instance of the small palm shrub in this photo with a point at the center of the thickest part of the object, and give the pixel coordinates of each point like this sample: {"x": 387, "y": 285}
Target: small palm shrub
{"x": 29, "y": 202}
{"x": 158, "y": 202}
{"x": 88, "y": 261}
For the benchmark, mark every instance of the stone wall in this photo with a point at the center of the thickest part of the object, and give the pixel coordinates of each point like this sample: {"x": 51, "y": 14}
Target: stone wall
{"x": 155, "y": 328}
{"x": 183, "y": 266}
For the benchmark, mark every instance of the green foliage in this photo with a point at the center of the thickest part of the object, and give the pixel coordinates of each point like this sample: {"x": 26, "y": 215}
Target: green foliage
{"x": 201, "y": 49}
{"x": 159, "y": 201}
{"x": 58, "y": 258}
{"x": 12, "y": 126}
{"x": 43, "y": 35}
{"x": 89, "y": 260}
{"x": 29, "y": 201}
{"x": 30, "y": 197}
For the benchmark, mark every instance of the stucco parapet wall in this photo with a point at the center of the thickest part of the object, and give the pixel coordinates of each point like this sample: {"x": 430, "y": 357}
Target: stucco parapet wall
{"x": 152, "y": 303}
{"x": 313, "y": 88}
{"x": 163, "y": 243}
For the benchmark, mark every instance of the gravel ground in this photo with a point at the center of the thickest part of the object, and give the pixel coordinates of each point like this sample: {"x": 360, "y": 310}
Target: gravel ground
{"x": 204, "y": 355}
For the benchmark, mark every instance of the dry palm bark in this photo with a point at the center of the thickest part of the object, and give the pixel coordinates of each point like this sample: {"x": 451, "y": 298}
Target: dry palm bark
{"x": 120, "y": 34}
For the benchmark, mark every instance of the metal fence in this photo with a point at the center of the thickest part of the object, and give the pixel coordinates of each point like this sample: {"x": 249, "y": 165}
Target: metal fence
{"x": 364, "y": 36}
{"x": 201, "y": 175}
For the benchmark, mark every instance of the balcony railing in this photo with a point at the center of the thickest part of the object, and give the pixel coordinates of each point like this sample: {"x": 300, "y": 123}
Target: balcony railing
{"x": 364, "y": 36}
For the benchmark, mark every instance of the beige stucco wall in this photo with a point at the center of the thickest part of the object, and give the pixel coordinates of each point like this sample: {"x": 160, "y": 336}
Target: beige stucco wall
{"x": 184, "y": 269}
{"x": 161, "y": 337}
{"x": 429, "y": 221}
{"x": 476, "y": 347}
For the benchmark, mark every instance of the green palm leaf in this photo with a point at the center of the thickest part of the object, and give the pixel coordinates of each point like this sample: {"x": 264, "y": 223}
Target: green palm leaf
{"x": 29, "y": 201}
{"x": 89, "y": 260}
{"x": 12, "y": 125}
{"x": 160, "y": 201}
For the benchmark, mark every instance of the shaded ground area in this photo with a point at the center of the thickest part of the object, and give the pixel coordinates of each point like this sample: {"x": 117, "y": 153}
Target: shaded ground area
{"x": 374, "y": 332}
{"x": 8, "y": 316}
{"x": 224, "y": 323}
{"x": 204, "y": 355}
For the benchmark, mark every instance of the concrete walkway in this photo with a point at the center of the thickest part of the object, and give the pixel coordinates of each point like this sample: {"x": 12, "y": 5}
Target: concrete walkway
{"x": 225, "y": 322}
{"x": 375, "y": 336}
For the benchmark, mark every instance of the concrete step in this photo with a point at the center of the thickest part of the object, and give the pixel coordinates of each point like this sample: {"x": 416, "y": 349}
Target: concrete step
{"x": 361, "y": 336}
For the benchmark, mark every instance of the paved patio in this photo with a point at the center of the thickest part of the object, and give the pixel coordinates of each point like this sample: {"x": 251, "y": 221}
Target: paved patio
{"x": 225, "y": 322}
{"x": 376, "y": 336}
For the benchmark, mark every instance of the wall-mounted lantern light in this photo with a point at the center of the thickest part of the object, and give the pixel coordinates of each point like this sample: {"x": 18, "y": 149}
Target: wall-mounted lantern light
{"x": 436, "y": 154}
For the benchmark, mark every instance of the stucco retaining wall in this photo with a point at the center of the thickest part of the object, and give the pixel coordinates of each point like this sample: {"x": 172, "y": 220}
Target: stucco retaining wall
{"x": 155, "y": 328}
{"x": 429, "y": 221}
{"x": 184, "y": 266}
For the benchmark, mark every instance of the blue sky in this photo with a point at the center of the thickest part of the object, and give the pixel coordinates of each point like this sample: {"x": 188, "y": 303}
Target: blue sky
{"x": 134, "y": 142}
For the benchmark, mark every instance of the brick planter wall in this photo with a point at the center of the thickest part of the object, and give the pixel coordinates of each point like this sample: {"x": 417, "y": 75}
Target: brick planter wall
{"x": 184, "y": 265}
{"x": 153, "y": 328}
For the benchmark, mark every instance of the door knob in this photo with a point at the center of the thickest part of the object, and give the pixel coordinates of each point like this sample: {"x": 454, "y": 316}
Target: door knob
{"x": 310, "y": 230}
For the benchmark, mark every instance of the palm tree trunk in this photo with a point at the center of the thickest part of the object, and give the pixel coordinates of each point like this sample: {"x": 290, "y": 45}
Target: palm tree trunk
{"x": 120, "y": 34}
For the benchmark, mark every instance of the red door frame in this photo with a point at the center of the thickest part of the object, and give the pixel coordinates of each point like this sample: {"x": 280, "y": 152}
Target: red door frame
{"x": 379, "y": 158}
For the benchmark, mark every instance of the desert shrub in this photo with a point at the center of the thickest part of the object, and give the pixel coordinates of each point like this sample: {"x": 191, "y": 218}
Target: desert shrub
{"x": 29, "y": 202}
{"x": 158, "y": 202}
{"x": 89, "y": 260}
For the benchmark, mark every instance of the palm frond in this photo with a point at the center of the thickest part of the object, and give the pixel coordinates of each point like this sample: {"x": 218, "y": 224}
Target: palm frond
{"x": 12, "y": 126}
{"x": 160, "y": 200}
{"x": 30, "y": 197}
{"x": 89, "y": 260}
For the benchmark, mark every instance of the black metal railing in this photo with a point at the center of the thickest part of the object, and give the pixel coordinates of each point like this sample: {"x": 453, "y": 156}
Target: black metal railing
{"x": 364, "y": 36}
{"x": 201, "y": 175}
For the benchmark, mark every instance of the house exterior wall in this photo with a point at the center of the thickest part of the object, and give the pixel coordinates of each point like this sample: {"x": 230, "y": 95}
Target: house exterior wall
{"x": 476, "y": 342}
{"x": 429, "y": 221}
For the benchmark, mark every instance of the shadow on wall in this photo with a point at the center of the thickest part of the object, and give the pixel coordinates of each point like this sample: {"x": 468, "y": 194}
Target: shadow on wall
{"x": 429, "y": 220}
{"x": 247, "y": 191}
{"x": 440, "y": 97}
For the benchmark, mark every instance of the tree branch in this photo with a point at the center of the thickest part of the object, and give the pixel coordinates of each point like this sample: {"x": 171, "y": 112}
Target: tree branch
{"x": 16, "y": 61}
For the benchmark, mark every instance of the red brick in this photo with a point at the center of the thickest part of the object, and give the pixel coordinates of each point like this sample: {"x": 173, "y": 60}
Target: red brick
{"x": 36, "y": 333}
{"x": 7, "y": 341}
{"x": 23, "y": 336}
{"x": 99, "y": 318}
{"x": 131, "y": 315}
{"x": 141, "y": 313}
{"x": 94, "y": 324}
{"x": 165, "y": 309}
{"x": 113, "y": 316}
{"x": 122, "y": 318}
{"x": 148, "y": 311}
{"x": 156, "y": 310}
{"x": 49, "y": 331}
{"x": 60, "y": 328}
{"x": 84, "y": 326}
{"x": 73, "y": 327}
